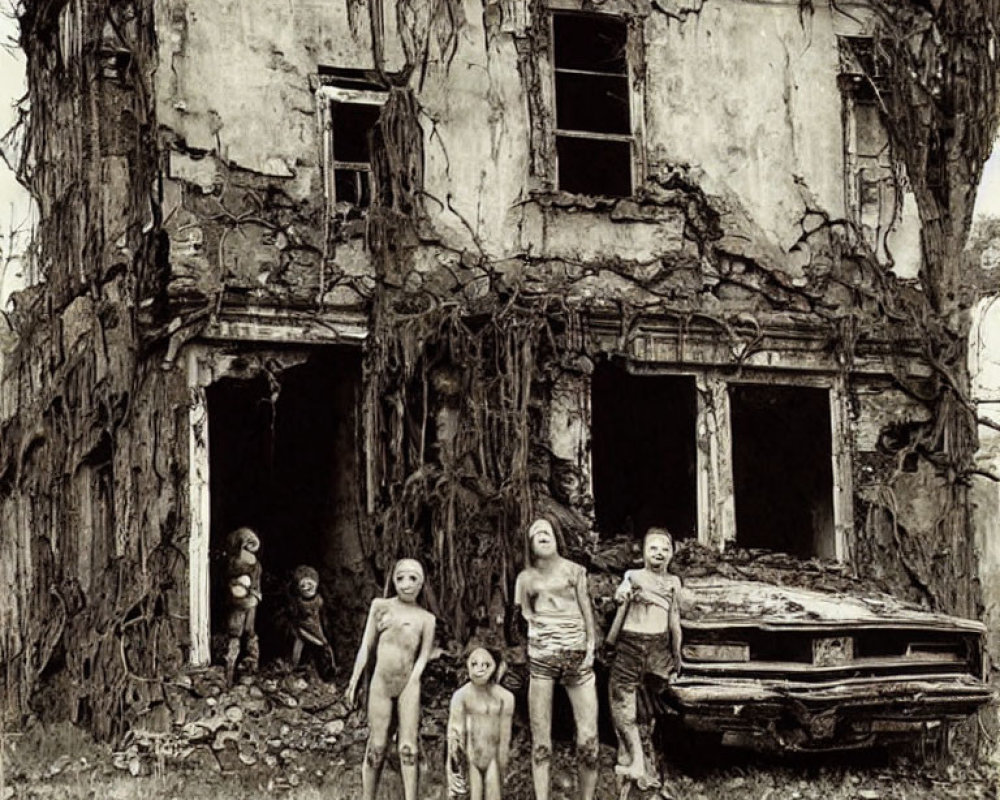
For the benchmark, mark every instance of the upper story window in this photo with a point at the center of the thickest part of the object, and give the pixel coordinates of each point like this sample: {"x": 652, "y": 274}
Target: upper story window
{"x": 870, "y": 180}
{"x": 349, "y": 110}
{"x": 594, "y": 132}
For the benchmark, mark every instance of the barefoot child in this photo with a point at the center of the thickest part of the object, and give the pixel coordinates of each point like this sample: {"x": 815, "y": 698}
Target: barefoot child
{"x": 401, "y": 634}
{"x": 647, "y": 628}
{"x": 554, "y": 600}
{"x": 479, "y": 726}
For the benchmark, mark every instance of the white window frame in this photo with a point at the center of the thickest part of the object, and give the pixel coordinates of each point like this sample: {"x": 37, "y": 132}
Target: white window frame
{"x": 326, "y": 96}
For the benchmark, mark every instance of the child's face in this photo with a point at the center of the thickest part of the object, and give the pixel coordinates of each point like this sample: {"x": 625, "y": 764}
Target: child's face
{"x": 543, "y": 542}
{"x": 408, "y": 580}
{"x": 307, "y": 588}
{"x": 657, "y": 550}
{"x": 481, "y": 666}
{"x": 251, "y": 543}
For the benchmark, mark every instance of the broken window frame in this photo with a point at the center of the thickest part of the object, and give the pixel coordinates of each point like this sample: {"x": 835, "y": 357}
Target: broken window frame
{"x": 716, "y": 497}
{"x": 860, "y": 76}
{"x": 722, "y": 529}
{"x": 634, "y": 58}
{"x": 326, "y": 96}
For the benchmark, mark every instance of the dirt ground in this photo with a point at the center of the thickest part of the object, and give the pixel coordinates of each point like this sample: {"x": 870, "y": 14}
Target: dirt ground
{"x": 60, "y": 762}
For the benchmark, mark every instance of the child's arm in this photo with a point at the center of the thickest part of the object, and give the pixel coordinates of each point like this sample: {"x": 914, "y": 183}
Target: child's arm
{"x": 616, "y": 624}
{"x": 675, "y": 624}
{"x": 624, "y": 591}
{"x": 426, "y": 645}
{"x": 506, "y": 722}
{"x": 521, "y": 599}
{"x": 456, "y": 766}
{"x": 587, "y": 610}
{"x": 364, "y": 654}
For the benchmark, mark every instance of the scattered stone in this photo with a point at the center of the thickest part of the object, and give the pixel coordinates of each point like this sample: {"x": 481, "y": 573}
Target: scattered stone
{"x": 58, "y": 765}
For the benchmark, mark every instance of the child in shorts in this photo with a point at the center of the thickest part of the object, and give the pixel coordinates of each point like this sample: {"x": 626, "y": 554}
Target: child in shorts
{"x": 647, "y": 637}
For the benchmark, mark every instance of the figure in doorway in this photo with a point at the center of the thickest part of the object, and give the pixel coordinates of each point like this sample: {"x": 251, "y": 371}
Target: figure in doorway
{"x": 307, "y": 620}
{"x": 243, "y": 573}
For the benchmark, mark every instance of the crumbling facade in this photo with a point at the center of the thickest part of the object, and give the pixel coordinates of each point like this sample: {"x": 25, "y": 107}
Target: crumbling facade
{"x": 383, "y": 279}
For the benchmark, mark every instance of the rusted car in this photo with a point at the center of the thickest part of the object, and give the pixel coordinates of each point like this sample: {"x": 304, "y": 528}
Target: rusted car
{"x": 793, "y": 668}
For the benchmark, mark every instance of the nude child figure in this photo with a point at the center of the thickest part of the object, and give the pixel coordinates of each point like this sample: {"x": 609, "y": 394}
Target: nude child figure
{"x": 401, "y": 635}
{"x": 479, "y": 726}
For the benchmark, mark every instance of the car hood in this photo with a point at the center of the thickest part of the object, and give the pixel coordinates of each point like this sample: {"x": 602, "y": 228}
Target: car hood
{"x": 712, "y": 602}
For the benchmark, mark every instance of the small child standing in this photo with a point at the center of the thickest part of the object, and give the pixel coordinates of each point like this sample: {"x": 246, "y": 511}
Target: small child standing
{"x": 647, "y": 635}
{"x": 307, "y": 619}
{"x": 479, "y": 725}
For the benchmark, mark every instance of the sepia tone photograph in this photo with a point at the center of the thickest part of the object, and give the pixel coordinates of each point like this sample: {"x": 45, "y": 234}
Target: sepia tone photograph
{"x": 499, "y": 399}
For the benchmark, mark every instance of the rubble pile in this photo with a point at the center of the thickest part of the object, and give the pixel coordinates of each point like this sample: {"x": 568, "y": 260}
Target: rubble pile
{"x": 290, "y": 725}
{"x": 271, "y": 720}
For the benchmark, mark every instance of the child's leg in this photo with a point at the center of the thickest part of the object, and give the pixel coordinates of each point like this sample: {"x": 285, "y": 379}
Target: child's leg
{"x": 379, "y": 717}
{"x": 623, "y": 712}
{"x": 475, "y": 783}
{"x": 296, "y": 652}
{"x": 409, "y": 728}
{"x": 540, "y": 713}
{"x": 583, "y": 699}
{"x": 492, "y": 782}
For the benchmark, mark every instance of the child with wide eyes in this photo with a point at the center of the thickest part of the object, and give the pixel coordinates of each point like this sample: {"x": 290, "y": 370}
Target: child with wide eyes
{"x": 401, "y": 635}
{"x": 479, "y": 725}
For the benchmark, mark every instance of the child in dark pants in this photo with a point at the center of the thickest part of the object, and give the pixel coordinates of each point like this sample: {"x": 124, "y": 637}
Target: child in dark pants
{"x": 647, "y": 636}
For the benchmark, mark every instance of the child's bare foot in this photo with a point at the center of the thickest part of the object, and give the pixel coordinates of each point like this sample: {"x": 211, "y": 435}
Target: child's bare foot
{"x": 630, "y": 772}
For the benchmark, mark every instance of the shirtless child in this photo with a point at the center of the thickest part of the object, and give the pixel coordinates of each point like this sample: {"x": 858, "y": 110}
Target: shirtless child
{"x": 479, "y": 724}
{"x": 553, "y": 596}
{"x": 649, "y": 641}
{"x": 402, "y": 634}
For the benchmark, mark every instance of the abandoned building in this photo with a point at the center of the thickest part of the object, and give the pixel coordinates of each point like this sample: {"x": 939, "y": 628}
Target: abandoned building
{"x": 385, "y": 278}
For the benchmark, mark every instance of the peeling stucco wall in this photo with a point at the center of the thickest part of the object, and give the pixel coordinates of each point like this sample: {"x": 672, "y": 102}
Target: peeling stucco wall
{"x": 745, "y": 97}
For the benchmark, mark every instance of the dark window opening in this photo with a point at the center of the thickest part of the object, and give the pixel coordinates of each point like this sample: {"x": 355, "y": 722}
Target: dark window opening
{"x": 643, "y": 451}
{"x": 783, "y": 469}
{"x": 352, "y": 124}
{"x": 282, "y": 460}
{"x": 593, "y": 117}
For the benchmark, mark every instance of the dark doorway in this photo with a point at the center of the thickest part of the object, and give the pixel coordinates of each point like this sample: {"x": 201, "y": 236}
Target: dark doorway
{"x": 282, "y": 460}
{"x": 783, "y": 468}
{"x": 643, "y": 450}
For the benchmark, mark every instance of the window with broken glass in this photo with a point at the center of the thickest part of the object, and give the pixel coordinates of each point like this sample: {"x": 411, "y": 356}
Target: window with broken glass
{"x": 594, "y": 132}
{"x": 349, "y": 115}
